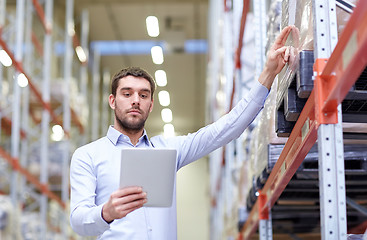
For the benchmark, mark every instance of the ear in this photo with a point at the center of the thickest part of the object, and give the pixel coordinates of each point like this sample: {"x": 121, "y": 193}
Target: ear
{"x": 111, "y": 101}
{"x": 151, "y": 106}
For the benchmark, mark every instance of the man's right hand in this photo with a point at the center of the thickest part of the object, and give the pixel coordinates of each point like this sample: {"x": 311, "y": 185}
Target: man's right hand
{"x": 122, "y": 202}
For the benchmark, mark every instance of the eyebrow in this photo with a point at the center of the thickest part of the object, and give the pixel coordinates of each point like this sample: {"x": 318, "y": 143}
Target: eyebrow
{"x": 141, "y": 90}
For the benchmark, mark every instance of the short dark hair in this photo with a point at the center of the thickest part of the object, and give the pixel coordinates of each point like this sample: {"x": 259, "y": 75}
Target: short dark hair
{"x": 132, "y": 71}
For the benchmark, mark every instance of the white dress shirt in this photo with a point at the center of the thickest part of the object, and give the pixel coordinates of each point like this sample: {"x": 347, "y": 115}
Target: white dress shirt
{"x": 95, "y": 170}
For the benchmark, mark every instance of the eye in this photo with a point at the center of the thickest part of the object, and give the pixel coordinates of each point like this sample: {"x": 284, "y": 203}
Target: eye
{"x": 143, "y": 96}
{"x": 126, "y": 94}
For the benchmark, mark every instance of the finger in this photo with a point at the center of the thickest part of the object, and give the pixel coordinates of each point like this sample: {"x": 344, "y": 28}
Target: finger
{"x": 131, "y": 198}
{"x": 283, "y": 35}
{"x": 287, "y": 53}
{"x": 123, "y": 210}
{"x": 127, "y": 191}
{"x": 132, "y": 206}
{"x": 279, "y": 52}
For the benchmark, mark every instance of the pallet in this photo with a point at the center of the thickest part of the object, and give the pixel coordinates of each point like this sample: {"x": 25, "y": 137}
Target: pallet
{"x": 354, "y": 106}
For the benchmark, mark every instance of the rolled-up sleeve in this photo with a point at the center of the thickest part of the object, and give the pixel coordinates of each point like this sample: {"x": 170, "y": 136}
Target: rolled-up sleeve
{"x": 85, "y": 215}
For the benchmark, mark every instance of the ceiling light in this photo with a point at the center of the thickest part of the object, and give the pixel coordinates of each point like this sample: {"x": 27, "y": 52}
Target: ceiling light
{"x": 81, "y": 54}
{"x": 157, "y": 54}
{"x": 161, "y": 78}
{"x": 168, "y": 130}
{"x": 22, "y": 80}
{"x": 5, "y": 59}
{"x": 71, "y": 29}
{"x": 152, "y": 26}
{"x": 57, "y": 133}
{"x": 164, "y": 98}
{"x": 166, "y": 114}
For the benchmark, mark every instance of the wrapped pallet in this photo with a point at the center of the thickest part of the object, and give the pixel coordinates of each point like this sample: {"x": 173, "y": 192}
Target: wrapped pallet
{"x": 299, "y": 13}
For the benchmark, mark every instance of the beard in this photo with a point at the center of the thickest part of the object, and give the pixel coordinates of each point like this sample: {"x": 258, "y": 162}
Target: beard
{"x": 131, "y": 124}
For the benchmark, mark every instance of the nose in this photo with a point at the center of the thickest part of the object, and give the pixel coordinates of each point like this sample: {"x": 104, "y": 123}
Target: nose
{"x": 136, "y": 100}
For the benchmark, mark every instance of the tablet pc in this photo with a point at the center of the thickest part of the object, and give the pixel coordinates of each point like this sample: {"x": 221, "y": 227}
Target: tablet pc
{"x": 151, "y": 168}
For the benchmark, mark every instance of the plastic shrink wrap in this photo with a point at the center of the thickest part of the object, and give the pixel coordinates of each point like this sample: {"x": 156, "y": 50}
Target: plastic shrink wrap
{"x": 299, "y": 13}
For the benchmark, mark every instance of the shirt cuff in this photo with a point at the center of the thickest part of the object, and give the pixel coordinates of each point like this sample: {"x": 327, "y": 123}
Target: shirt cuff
{"x": 98, "y": 217}
{"x": 259, "y": 93}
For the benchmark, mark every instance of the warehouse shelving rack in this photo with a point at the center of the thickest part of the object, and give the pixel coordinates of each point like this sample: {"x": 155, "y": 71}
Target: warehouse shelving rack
{"x": 23, "y": 136}
{"x": 240, "y": 45}
{"x": 228, "y": 36}
{"x": 335, "y": 71}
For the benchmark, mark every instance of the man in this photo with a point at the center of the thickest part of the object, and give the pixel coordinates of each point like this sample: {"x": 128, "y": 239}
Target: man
{"x": 98, "y": 206}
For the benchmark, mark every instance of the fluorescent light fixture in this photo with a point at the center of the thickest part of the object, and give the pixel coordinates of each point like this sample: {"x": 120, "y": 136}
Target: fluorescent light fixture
{"x": 161, "y": 78}
{"x": 157, "y": 54}
{"x": 168, "y": 130}
{"x": 22, "y": 80}
{"x": 166, "y": 114}
{"x": 71, "y": 29}
{"x": 164, "y": 98}
{"x": 81, "y": 54}
{"x": 5, "y": 59}
{"x": 152, "y": 26}
{"x": 57, "y": 133}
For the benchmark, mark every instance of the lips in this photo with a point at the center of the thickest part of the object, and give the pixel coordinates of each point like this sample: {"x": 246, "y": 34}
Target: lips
{"x": 134, "y": 111}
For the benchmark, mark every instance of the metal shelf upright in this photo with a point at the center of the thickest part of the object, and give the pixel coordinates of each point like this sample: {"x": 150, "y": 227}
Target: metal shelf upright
{"x": 25, "y": 138}
{"x": 230, "y": 87}
{"x": 335, "y": 71}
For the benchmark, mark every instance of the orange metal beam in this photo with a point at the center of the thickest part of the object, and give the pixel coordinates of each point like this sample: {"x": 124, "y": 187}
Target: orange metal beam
{"x": 6, "y": 125}
{"x": 299, "y": 143}
{"x": 19, "y": 67}
{"x": 360, "y": 229}
{"x": 37, "y": 44}
{"x": 263, "y": 209}
{"x": 322, "y": 88}
{"x": 77, "y": 121}
{"x": 43, "y": 188}
{"x": 41, "y": 15}
{"x": 38, "y": 95}
{"x": 237, "y": 58}
{"x": 348, "y": 59}
{"x": 245, "y": 9}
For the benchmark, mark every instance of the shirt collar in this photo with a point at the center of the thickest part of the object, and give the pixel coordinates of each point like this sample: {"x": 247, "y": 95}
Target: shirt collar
{"x": 114, "y": 135}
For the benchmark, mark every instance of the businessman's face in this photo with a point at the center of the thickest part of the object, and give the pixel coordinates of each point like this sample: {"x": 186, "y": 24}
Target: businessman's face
{"x": 132, "y": 103}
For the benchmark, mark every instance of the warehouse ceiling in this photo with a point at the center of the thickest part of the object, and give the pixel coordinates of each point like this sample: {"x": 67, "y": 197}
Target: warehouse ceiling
{"x": 179, "y": 21}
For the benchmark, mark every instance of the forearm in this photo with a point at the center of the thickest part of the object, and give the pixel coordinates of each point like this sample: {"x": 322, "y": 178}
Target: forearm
{"x": 87, "y": 221}
{"x": 85, "y": 212}
{"x": 225, "y": 129}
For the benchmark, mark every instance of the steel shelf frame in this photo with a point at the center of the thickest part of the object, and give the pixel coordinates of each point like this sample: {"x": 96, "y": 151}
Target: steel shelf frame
{"x": 18, "y": 157}
{"x": 321, "y": 118}
{"x": 21, "y": 133}
{"x": 223, "y": 161}
{"x": 265, "y": 221}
